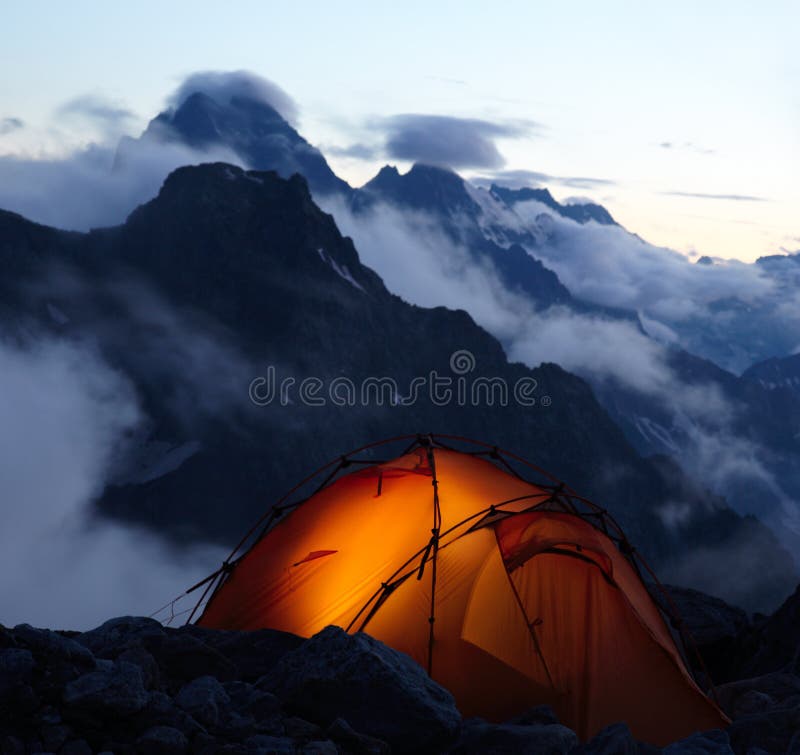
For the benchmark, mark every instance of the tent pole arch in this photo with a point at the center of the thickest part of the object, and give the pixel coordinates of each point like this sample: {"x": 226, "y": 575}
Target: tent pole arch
{"x": 559, "y": 492}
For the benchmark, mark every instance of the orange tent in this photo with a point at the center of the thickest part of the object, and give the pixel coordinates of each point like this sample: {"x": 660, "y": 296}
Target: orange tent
{"x": 511, "y": 594}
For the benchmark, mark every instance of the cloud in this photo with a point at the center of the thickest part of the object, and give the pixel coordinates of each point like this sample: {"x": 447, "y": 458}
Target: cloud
{"x": 723, "y": 197}
{"x": 356, "y": 151}
{"x": 687, "y": 146}
{"x": 610, "y": 266}
{"x": 82, "y": 190}
{"x": 577, "y": 200}
{"x": 518, "y": 178}
{"x": 7, "y": 125}
{"x": 110, "y": 116}
{"x": 66, "y": 417}
{"x": 427, "y": 267}
{"x": 446, "y": 79}
{"x": 222, "y": 86}
{"x": 448, "y": 141}
{"x": 189, "y": 360}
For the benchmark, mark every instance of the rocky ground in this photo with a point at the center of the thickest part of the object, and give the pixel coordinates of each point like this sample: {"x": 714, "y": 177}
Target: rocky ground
{"x": 134, "y": 686}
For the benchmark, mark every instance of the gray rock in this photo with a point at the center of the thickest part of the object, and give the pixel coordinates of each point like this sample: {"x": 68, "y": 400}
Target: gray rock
{"x": 478, "y": 736}
{"x": 378, "y": 690}
{"x": 12, "y": 745}
{"x": 48, "y": 715}
{"x": 76, "y": 747}
{"x": 252, "y": 701}
{"x": 265, "y": 745}
{"x": 738, "y": 698}
{"x": 110, "y": 638}
{"x": 183, "y": 657}
{"x": 359, "y": 744}
{"x": 53, "y": 645}
{"x": 540, "y": 714}
{"x": 161, "y": 710}
{"x": 205, "y": 699}
{"x": 772, "y": 730}
{"x": 750, "y": 703}
{"x": 162, "y": 740}
{"x": 615, "y": 739}
{"x": 714, "y": 742}
{"x": 254, "y": 654}
{"x": 54, "y": 736}
{"x": 298, "y": 728}
{"x": 115, "y": 692}
{"x": 138, "y": 656}
{"x": 320, "y": 747}
{"x": 16, "y": 669}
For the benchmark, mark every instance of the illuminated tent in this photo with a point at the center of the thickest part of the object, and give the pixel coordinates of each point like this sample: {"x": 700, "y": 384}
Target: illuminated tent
{"x": 511, "y": 594}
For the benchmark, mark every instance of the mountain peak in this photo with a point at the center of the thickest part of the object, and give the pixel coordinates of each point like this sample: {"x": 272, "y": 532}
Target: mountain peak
{"x": 250, "y": 128}
{"x": 579, "y": 212}
{"x": 423, "y": 187}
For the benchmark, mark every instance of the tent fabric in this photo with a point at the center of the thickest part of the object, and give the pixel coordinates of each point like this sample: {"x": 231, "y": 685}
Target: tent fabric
{"x": 508, "y": 594}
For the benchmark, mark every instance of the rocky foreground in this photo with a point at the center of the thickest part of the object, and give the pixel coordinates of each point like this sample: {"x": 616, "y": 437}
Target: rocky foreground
{"x": 135, "y": 686}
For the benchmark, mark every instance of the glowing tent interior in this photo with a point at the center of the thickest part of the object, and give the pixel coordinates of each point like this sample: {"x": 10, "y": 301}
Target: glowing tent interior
{"x": 510, "y": 593}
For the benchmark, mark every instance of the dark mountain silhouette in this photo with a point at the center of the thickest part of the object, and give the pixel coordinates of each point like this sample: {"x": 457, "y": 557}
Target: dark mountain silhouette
{"x": 248, "y": 261}
{"x": 777, "y": 374}
{"x": 252, "y": 129}
{"x": 487, "y": 226}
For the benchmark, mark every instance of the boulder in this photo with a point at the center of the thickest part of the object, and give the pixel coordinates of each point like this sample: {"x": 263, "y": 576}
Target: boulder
{"x": 10, "y": 745}
{"x": 161, "y": 710}
{"x": 138, "y": 656}
{"x": 206, "y": 700}
{"x": 54, "y": 736}
{"x": 750, "y": 696}
{"x": 16, "y": 669}
{"x": 113, "y": 691}
{"x": 378, "y": 690}
{"x": 254, "y": 654}
{"x": 774, "y": 731}
{"x": 615, "y": 739}
{"x": 351, "y": 741}
{"x": 250, "y": 700}
{"x": 262, "y": 744}
{"x": 183, "y": 657}
{"x": 162, "y": 740}
{"x": 539, "y": 714}
{"x": 320, "y": 747}
{"x": 52, "y": 646}
{"x": 300, "y": 729}
{"x": 76, "y": 747}
{"x": 478, "y": 736}
{"x": 115, "y": 635}
{"x": 713, "y": 742}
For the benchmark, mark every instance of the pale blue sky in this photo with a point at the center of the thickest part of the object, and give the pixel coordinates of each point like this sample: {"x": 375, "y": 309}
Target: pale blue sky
{"x": 610, "y": 82}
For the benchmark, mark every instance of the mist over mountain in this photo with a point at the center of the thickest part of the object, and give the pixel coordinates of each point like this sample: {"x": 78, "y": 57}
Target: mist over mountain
{"x": 233, "y": 272}
{"x": 250, "y": 127}
{"x": 223, "y": 273}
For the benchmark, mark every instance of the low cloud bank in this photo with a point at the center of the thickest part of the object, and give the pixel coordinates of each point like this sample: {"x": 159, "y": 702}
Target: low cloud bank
{"x": 66, "y": 418}
{"x": 423, "y": 266}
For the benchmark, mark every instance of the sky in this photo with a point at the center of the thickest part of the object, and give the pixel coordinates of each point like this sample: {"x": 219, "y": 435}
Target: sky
{"x": 684, "y": 117}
